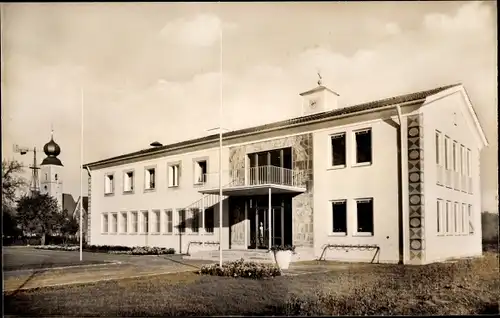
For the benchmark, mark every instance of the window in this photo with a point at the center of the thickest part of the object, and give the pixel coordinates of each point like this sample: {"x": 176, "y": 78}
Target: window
{"x": 439, "y": 159}
{"x": 200, "y": 171}
{"x": 149, "y": 179}
{"x": 156, "y": 222}
{"x": 447, "y": 153}
{"x": 114, "y": 222}
{"x": 338, "y": 150}
{"x": 463, "y": 218}
{"x": 363, "y": 146}
{"x": 109, "y": 184}
{"x": 105, "y": 223}
{"x": 447, "y": 219}
{"x": 454, "y": 153}
{"x": 469, "y": 163}
{"x": 145, "y": 222}
{"x": 128, "y": 181}
{"x": 134, "y": 220}
{"x": 463, "y": 161}
{"x": 457, "y": 165}
{"x": 339, "y": 217}
{"x": 56, "y": 176}
{"x": 173, "y": 175}
{"x": 439, "y": 216}
{"x": 209, "y": 220}
{"x": 463, "y": 168}
{"x": 46, "y": 177}
{"x": 471, "y": 219}
{"x": 456, "y": 218}
{"x": 168, "y": 221}
{"x": 364, "y": 215}
{"x": 195, "y": 220}
{"x": 182, "y": 221}
{"x": 124, "y": 223}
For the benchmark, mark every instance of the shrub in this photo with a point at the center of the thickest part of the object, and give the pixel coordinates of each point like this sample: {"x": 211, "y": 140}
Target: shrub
{"x": 150, "y": 251}
{"x": 241, "y": 269}
{"x": 105, "y": 248}
{"x": 146, "y": 250}
{"x": 58, "y": 247}
{"x": 277, "y": 248}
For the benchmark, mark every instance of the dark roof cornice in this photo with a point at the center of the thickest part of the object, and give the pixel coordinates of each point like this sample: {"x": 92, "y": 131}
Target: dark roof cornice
{"x": 298, "y": 121}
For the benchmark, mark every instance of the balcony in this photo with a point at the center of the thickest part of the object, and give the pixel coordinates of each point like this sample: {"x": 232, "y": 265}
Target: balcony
{"x": 254, "y": 181}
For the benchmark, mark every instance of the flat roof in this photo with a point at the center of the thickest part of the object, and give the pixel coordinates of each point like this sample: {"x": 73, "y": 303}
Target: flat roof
{"x": 251, "y": 190}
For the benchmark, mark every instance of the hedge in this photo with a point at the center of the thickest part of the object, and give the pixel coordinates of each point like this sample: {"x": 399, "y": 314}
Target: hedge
{"x": 137, "y": 250}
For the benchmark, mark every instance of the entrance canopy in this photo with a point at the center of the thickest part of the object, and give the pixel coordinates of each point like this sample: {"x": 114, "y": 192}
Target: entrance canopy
{"x": 250, "y": 190}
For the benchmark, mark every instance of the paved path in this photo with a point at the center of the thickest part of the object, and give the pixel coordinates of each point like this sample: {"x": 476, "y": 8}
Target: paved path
{"x": 108, "y": 267}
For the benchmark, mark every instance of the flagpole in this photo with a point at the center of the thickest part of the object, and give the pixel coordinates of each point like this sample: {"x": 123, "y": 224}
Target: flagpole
{"x": 81, "y": 180}
{"x": 220, "y": 157}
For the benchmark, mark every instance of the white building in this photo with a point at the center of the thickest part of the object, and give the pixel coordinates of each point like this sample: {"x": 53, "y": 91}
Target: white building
{"x": 394, "y": 180}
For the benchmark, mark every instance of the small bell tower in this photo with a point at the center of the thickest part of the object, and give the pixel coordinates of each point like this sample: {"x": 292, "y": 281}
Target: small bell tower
{"x": 51, "y": 182}
{"x": 319, "y": 99}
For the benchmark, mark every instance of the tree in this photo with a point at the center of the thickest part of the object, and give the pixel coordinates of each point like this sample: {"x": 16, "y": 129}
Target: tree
{"x": 489, "y": 225}
{"x": 68, "y": 224}
{"x": 11, "y": 181}
{"x": 9, "y": 222}
{"x": 38, "y": 214}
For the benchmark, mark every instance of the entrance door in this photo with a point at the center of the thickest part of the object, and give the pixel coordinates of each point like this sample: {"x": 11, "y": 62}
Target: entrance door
{"x": 262, "y": 227}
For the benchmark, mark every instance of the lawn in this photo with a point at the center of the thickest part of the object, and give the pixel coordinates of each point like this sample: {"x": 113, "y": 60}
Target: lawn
{"x": 464, "y": 287}
{"x": 25, "y": 258}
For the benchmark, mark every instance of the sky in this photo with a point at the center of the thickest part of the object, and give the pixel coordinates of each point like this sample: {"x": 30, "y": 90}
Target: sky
{"x": 152, "y": 71}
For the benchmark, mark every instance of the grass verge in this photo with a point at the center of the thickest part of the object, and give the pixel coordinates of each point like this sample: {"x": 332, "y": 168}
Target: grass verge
{"x": 464, "y": 287}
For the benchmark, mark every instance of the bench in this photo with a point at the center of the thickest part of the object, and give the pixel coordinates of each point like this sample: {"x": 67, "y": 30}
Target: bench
{"x": 362, "y": 247}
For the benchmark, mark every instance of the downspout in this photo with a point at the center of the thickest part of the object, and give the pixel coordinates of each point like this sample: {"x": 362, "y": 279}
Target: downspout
{"x": 88, "y": 207}
{"x": 401, "y": 176}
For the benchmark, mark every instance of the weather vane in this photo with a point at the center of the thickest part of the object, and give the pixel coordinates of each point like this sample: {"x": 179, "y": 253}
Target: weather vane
{"x": 320, "y": 78}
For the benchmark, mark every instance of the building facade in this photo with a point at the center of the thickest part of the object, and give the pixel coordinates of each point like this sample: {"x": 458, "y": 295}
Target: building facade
{"x": 345, "y": 183}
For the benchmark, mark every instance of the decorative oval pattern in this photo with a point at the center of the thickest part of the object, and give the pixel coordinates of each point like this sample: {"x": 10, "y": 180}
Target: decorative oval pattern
{"x": 415, "y": 222}
{"x": 415, "y": 199}
{"x": 413, "y": 132}
{"x": 415, "y": 245}
{"x": 414, "y": 154}
{"x": 415, "y": 177}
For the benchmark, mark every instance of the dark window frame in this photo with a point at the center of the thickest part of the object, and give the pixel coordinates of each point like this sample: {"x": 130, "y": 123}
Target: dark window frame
{"x": 363, "y": 141}
{"x": 338, "y": 150}
{"x": 339, "y": 221}
{"x": 365, "y": 224}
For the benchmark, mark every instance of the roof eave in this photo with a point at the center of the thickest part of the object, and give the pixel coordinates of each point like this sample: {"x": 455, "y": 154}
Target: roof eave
{"x": 146, "y": 154}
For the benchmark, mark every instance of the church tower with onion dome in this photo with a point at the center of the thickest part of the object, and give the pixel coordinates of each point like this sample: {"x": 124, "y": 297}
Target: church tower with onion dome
{"x": 51, "y": 171}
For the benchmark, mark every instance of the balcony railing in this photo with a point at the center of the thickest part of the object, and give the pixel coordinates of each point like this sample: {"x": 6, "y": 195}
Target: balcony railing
{"x": 255, "y": 176}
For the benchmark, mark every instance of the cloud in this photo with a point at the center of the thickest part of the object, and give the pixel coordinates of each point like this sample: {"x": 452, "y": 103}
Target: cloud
{"x": 392, "y": 28}
{"x": 169, "y": 109}
{"x": 202, "y": 30}
{"x": 470, "y": 17}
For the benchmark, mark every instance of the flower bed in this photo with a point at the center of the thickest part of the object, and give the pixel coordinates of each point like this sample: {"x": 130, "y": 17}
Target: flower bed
{"x": 241, "y": 269}
{"x": 138, "y": 250}
{"x": 146, "y": 251}
{"x": 58, "y": 247}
